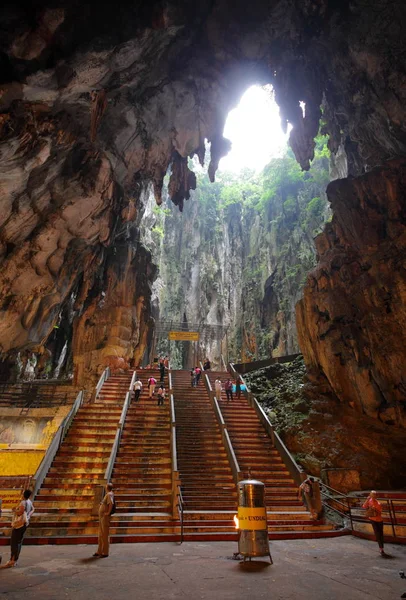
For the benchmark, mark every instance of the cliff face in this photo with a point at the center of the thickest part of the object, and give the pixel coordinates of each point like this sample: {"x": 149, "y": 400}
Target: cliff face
{"x": 239, "y": 253}
{"x": 352, "y": 318}
{"x": 96, "y": 102}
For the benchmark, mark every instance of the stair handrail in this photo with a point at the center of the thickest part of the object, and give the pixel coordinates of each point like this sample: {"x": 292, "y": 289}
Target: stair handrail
{"x": 180, "y": 506}
{"x": 170, "y": 380}
{"x": 174, "y": 459}
{"x": 47, "y": 459}
{"x": 133, "y": 378}
{"x": 117, "y": 438}
{"x": 235, "y": 467}
{"x": 103, "y": 377}
{"x": 297, "y": 472}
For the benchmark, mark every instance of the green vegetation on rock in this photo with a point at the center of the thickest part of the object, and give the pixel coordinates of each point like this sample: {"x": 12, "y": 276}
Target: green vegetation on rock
{"x": 240, "y": 251}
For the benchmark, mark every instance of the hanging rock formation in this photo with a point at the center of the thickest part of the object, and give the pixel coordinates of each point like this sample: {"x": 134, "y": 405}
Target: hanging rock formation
{"x": 96, "y": 103}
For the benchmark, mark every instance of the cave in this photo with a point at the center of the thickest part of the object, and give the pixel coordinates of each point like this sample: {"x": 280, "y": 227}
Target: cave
{"x": 97, "y": 103}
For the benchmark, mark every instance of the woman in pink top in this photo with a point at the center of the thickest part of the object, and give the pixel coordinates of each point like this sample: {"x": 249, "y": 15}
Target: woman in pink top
{"x": 374, "y": 514}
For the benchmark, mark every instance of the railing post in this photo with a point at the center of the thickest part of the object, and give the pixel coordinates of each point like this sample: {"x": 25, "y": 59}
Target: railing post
{"x": 54, "y": 446}
{"x": 391, "y": 518}
{"x": 224, "y": 431}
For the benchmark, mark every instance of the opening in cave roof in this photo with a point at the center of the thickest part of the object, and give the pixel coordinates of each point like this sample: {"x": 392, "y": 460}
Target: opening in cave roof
{"x": 255, "y": 131}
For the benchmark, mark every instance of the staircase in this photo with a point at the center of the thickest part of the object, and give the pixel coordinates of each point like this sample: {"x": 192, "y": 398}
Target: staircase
{"x": 208, "y": 487}
{"x": 63, "y": 505}
{"x": 142, "y": 473}
{"x": 287, "y": 516}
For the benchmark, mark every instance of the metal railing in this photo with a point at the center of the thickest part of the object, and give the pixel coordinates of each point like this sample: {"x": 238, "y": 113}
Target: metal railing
{"x": 174, "y": 458}
{"x": 357, "y": 512}
{"x": 235, "y": 467}
{"x": 120, "y": 427}
{"x": 296, "y": 471}
{"x": 103, "y": 377}
{"x": 181, "y": 507}
{"x": 54, "y": 446}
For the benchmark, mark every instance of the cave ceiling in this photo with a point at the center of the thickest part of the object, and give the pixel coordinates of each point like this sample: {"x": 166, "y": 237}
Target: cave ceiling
{"x": 98, "y": 100}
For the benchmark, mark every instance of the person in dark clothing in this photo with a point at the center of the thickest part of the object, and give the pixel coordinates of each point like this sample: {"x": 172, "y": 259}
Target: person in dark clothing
{"x": 238, "y": 388}
{"x": 228, "y": 386}
{"x": 206, "y": 365}
{"x": 193, "y": 377}
{"x": 161, "y": 395}
{"x": 162, "y": 369}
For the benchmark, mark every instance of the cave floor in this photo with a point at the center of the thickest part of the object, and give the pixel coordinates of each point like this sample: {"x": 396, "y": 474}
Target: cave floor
{"x": 331, "y": 569}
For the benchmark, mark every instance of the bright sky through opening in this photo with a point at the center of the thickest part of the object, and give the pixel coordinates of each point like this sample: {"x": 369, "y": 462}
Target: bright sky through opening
{"x": 254, "y": 129}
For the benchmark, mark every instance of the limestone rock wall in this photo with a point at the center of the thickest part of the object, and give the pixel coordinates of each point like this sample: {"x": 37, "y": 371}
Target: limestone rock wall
{"x": 352, "y": 319}
{"x": 95, "y": 102}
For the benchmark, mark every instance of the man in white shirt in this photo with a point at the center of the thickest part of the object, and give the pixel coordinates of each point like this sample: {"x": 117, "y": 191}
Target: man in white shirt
{"x": 137, "y": 389}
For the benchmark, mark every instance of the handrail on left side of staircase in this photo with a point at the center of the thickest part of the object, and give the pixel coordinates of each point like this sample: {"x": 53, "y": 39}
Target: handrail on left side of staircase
{"x": 174, "y": 458}
{"x": 103, "y": 377}
{"x": 235, "y": 467}
{"x": 44, "y": 466}
{"x": 117, "y": 439}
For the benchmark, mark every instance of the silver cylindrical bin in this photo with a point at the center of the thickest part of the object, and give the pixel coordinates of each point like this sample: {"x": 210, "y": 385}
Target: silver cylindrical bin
{"x": 252, "y": 519}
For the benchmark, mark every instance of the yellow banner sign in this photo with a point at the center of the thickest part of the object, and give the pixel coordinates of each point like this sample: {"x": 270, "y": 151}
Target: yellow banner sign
{"x": 252, "y": 518}
{"x": 184, "y": 336}
{"x": 10, "y": 498}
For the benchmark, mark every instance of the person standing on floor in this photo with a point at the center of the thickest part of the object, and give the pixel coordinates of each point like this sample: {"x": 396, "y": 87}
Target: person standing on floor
{"x": 20, "y": 522}
{"x": 105, "y": 510}
{"x": 238, "y": 387}
{"x": 228, "y": 386}
{"x": 218, "y": 388}
{"x": 373, "y": 513}
{"x": 137, "y": 389}
{"x": 151, "y": 386}
{"x": 161, "y": 395}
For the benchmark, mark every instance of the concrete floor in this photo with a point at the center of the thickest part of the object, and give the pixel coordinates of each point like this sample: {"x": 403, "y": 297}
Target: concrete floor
{"x": 327, "y": 569}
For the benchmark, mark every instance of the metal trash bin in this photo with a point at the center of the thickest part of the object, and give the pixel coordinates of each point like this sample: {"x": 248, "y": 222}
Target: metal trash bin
{"x": 252, "y": 520}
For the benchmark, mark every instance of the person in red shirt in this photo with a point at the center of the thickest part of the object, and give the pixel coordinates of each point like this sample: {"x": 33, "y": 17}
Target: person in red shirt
{"x": 151, "y": 386}
{"x": 198, "y": 374}
{"x": 374, "y": 513}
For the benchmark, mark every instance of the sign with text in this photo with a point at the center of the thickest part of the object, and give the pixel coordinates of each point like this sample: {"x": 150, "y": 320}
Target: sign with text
{"x": 252, "y": 518}
{"x": 184, "y": 336}
{"x": 10, "y": 498}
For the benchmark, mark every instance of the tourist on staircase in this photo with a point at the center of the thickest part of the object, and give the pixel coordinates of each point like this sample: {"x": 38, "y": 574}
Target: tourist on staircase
{"x": 198, "y": 372}
{"x": 228, "y": 386}
{"x": 218, "y": 387}
{"x": 238, "y": 388}
{"x": 206, "y": 365}
{"x": 193, "y": 377}
{"x": 162, "y": 369}
{"x": 21, "y": 520}
{"x": 161, "y": 395}
{"x": 137, "y": 389}
{"x": 151, "y": 386}
{"x": 105, "y": 511}
{"x": 374, "y": 514}
{"x": 307, "y": 489}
